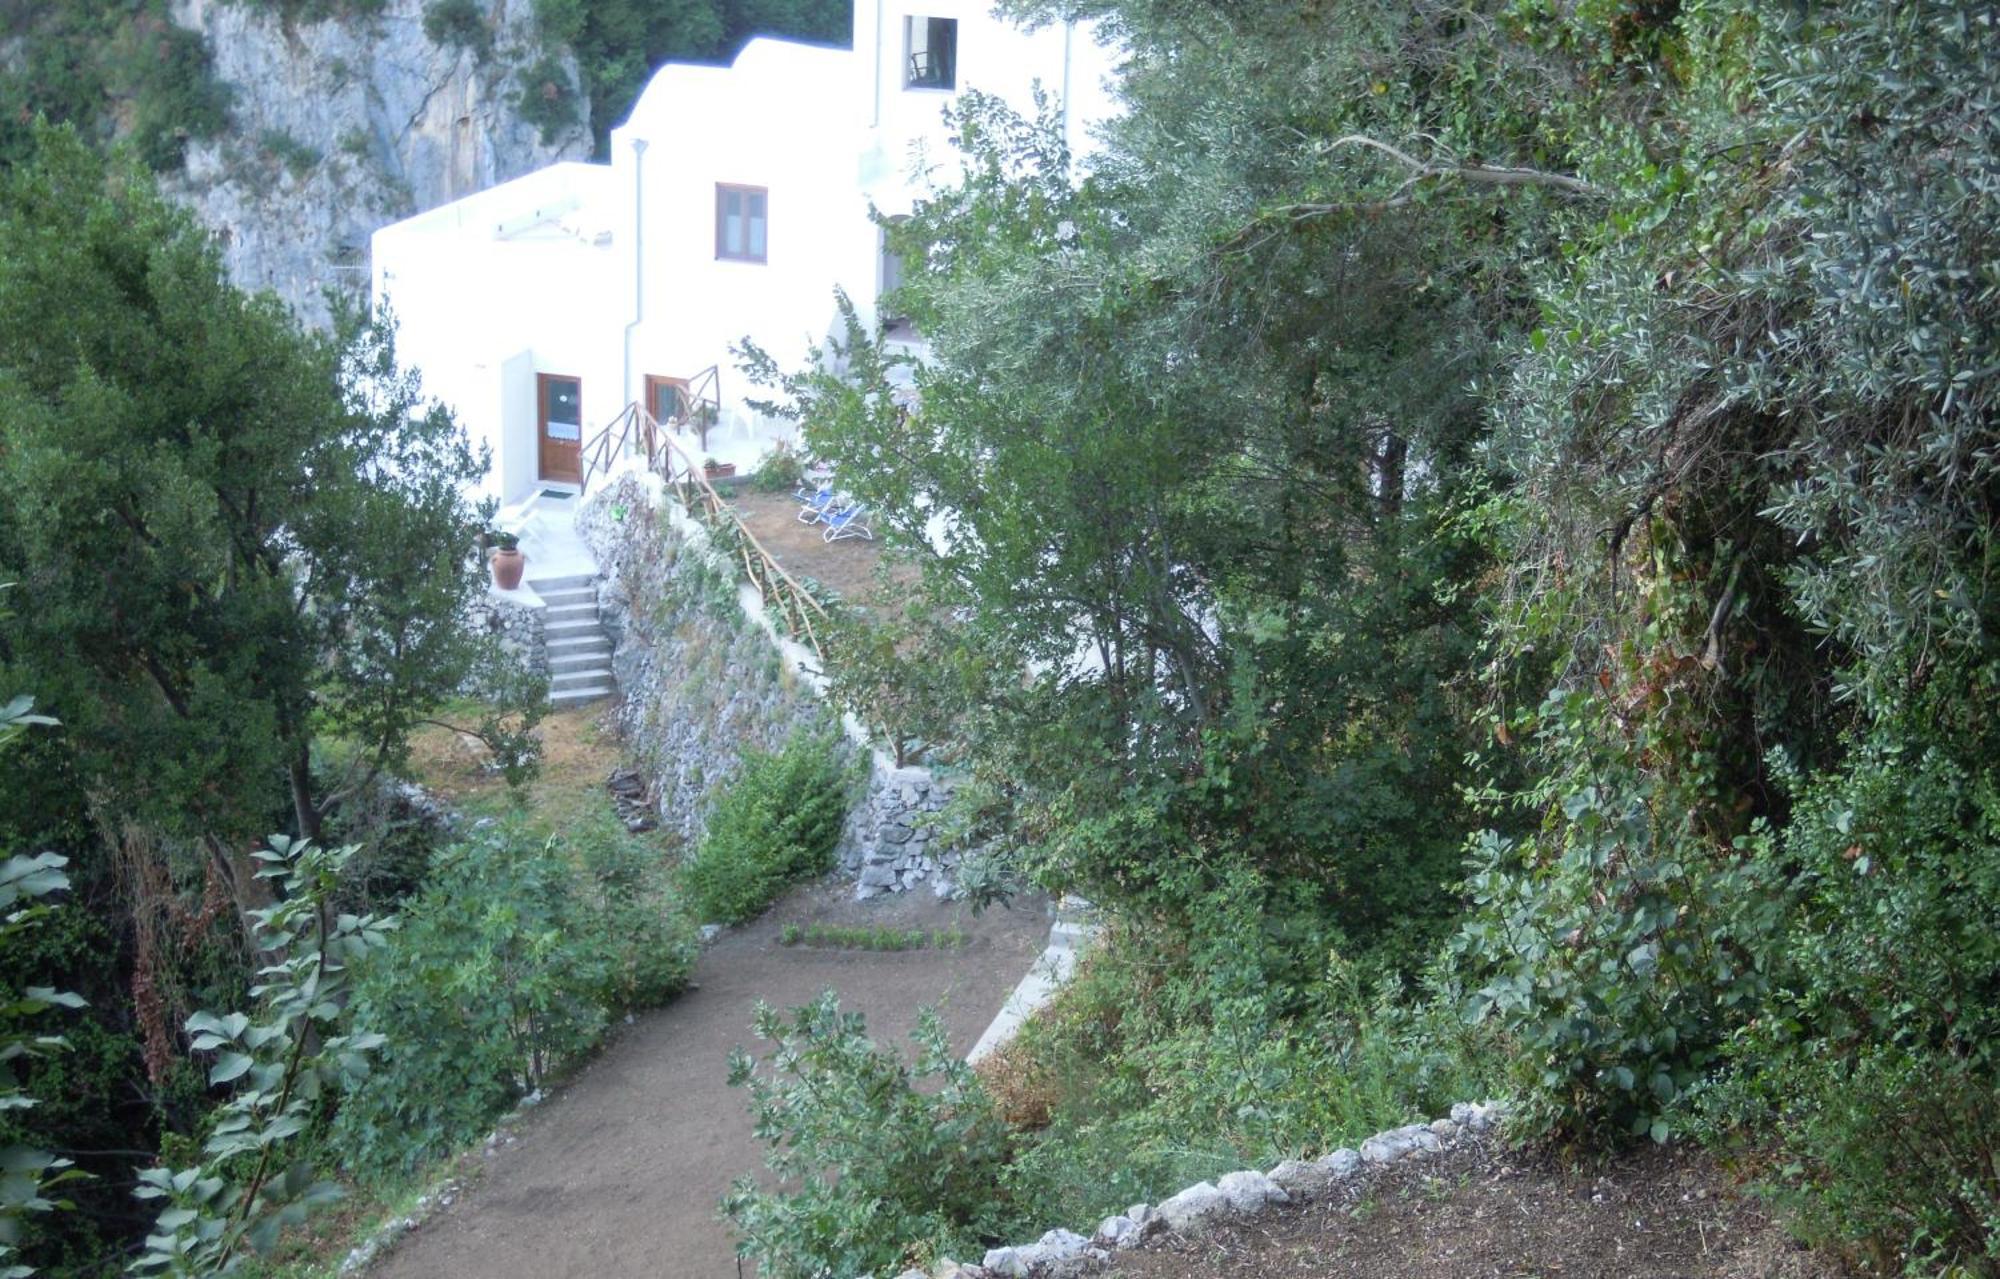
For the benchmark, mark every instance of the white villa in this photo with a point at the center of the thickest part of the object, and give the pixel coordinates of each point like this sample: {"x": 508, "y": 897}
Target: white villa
{"x": 735, "y": 202}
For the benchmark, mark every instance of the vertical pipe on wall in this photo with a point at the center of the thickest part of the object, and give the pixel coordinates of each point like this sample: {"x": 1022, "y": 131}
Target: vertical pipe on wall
{"x": 638, "y": 258}
{"x": 876, "y": 122}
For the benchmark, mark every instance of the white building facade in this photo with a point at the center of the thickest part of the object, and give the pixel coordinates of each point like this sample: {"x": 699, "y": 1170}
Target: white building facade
{"x": 736, "y": 201}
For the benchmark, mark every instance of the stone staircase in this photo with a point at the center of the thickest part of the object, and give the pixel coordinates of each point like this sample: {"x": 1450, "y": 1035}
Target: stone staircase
{"x": 579, "y": 650}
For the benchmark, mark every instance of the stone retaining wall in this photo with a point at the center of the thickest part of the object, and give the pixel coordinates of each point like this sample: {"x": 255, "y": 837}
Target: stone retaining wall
{"x": 517, "y": 617}
{"x": 699, "y": 681}
{"x": 890, "y": 838}
{"x": 1060, "y": 1254}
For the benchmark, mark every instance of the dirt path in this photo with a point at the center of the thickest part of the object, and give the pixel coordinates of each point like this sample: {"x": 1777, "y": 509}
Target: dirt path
{"x": 1486, "y": 1212}
{"x": 620, "y": 1172}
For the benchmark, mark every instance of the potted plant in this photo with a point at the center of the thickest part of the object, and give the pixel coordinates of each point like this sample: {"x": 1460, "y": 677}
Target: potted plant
{"x": 717, "y": 470}
{"x": 506, "y": 559}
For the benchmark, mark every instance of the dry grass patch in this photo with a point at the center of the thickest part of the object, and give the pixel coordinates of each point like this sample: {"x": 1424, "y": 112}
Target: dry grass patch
{"x": 846, "y": 567}
{"x": 580, "y": 751}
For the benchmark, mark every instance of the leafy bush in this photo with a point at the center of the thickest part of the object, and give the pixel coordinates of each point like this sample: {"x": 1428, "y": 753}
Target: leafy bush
{"x": 510, "y": 964}
{"x": 776, "y": 823}
{"x": 1620, "y": 945}
{"x": 546, "y": 98}
{"x": 781, "y": 471}
{"x": 1877, "y": 1062}
{"x": 878, "y": 1161}
{"x": 283, "y": 1059}
{"x": 460, "y": 23}
{"x": 1172, "y": 1058}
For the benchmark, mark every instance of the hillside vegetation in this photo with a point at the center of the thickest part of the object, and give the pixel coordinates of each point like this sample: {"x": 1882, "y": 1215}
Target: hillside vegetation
{"x": 125, "y": 71}
{"x": 1499, "y": 500}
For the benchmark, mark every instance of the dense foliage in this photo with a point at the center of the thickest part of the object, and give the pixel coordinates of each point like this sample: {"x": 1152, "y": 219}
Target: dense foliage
{"x": 111, "y": 70}
{"x": 775, "y": 823}
{"x": 917, "y": 1146}
{"x": 281, "y": 1062}
{"x": 618, "y": 44}
{"x": 241, "y": 539}
{"x": 1555, "y": 436}
{"x": 247, "y": 555}
{"x": 511, "y": 961}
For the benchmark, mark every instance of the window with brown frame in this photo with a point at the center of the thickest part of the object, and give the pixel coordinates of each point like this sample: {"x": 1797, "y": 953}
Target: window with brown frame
{"x": 742, "y": 220}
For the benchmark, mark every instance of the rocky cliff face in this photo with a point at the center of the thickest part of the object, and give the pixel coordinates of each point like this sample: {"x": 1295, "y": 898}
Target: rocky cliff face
{"x": 345, "y": 125}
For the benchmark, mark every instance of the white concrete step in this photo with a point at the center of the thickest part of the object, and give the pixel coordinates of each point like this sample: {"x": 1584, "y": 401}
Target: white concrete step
{"x": 558, "y": 613}
{"x": 578, "y": 696}
{"x": 567, "y": 680}
{"x": 569, "y": 599}
{"x": 570, "y": 628}
{"x": 594, "y": 663}
{"x": 579, "y": 644}
{"x": 545, "y": 586}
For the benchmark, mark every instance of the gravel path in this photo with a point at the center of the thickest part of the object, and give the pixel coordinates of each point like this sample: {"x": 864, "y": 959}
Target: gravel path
{"x": 620, "y": 1172}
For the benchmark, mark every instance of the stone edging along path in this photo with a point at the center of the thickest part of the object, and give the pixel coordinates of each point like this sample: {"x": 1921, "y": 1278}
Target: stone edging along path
{"x": 1060, "y": 1254}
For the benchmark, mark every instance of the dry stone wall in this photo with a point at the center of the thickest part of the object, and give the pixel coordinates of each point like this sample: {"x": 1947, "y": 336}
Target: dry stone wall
{"x": 699, "y": 682}
{"x": 518, "y": 624}
{"x": 1061, "y": 1254}
{"x": 890, "y": 844}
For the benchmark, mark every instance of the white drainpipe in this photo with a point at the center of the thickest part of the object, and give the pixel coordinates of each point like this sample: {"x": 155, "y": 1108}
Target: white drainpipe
{"x": 876, "y": 123}
{"x": 638, "y": 258}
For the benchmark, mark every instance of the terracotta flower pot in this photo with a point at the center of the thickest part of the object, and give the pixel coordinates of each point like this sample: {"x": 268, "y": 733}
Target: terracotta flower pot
{"x": 507, "y": 567}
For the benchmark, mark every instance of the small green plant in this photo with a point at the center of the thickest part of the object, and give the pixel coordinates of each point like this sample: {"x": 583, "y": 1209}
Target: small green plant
{"x": 781, "y": 471}
{"x": 298, "y": 158}
{"x": 511, "y": 963}
{"x": 546, "y": 98}
{"x": 871, "y": 937}
{"x": 775, "y": 824}
{"x": 878, "y": 1161}
{"x": 246, "y": 1189}
{"x": 459, "y": 24}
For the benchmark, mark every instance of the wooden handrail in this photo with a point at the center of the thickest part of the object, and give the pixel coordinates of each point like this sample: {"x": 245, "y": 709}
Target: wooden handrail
{"x": 795, "y": 604}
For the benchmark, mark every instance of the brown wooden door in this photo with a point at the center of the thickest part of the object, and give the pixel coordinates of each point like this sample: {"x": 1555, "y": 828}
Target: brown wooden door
{"x": 559, "y": 427}
{"x": 666, "y": 399}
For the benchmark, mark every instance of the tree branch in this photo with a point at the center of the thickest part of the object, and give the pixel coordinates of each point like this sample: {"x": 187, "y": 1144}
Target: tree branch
{"x": 1490, "y": 174}
{"x": 1420, "y": 171}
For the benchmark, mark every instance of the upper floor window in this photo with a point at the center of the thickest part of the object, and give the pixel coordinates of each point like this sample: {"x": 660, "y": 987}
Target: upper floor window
{"x": 741, "y": 222}
{"x": 931, "y": 49}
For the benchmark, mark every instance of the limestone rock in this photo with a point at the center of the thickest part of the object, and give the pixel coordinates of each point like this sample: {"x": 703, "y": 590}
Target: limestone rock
{"x": 1300, "y": 1178}
{"x": 1193, "y": 1207}
{"x": 1341, "y": 1163}
{"x": 1251, "y": 1192}
{"x": 1387, "y": 1147}
{"x": 343, "y": 125}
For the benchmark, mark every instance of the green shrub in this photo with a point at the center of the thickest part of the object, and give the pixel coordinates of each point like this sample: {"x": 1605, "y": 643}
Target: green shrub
{"x": 776, "y": 823}
{"x": 459, "y": 23}
{"x": 878, "y": 1161}
{"x": 1621, "y": 944}
{"x": 1174, "y": 1057}
{"x": 511, "y": 962}
{"x": 781, "y": 471}
{"x": 546, "y": 98}
{"x": 1877, "y": 1062}
{"x": 840, "y": 937}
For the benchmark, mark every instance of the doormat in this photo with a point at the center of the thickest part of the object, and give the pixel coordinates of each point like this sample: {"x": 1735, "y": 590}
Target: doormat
{"x": 558, "y": 494}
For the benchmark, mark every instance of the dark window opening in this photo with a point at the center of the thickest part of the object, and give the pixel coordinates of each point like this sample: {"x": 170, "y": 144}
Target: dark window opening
{"x": 932, "y": 48}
